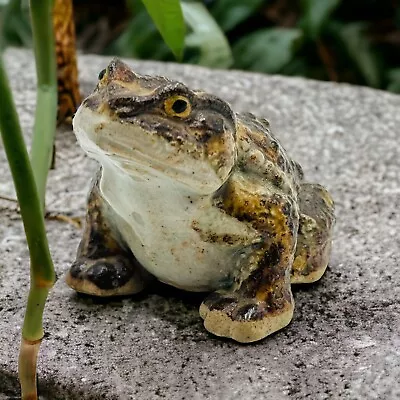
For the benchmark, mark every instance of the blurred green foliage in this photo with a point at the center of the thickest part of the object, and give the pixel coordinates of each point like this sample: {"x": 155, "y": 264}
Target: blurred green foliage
{"x": 356, "y": 41}
{"x": 205, "y": 42}
{"x": 162, "y": 14}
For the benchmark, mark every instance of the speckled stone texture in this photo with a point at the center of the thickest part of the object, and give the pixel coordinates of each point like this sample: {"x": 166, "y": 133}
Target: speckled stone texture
{"x": 343, "y": 342}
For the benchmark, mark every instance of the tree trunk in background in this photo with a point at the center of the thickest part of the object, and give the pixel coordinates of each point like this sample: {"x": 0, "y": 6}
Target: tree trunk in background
{"x": 67, "y": 72}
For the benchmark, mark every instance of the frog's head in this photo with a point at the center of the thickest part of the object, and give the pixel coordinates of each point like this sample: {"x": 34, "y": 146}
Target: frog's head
{"x": 155, "y": 126}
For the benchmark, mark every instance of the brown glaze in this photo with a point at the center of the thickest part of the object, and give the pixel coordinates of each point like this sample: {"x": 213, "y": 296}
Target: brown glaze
{"x": 259, "y": 229}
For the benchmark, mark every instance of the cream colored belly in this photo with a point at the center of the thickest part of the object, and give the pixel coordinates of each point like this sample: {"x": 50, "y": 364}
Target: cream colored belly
{"x": 178, "y": 258}
{"x": 156, "y": 221}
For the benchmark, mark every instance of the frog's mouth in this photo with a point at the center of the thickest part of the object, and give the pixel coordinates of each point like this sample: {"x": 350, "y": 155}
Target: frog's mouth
{"x": 108, "y": 140}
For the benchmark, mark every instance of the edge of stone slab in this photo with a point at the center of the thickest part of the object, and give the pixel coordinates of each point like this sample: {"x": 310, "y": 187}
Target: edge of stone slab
{"x": 104, "y": 59}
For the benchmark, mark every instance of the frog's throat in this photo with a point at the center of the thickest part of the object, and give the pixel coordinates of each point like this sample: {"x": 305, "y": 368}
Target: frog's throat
{"x": 149, "y": 157}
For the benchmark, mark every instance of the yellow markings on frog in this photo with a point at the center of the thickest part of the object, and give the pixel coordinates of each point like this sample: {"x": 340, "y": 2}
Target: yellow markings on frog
{"x": 269, "y": 218}
{"x": 328, "y": 198}
{"x": 300, "y": 261}
{"x": 277, "y": 225}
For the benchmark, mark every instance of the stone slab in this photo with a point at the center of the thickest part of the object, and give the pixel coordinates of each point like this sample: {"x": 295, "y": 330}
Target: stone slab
{"x": 343, "y": 342}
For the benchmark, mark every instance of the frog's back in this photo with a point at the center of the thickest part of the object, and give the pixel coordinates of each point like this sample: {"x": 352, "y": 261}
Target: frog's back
{"x": 262, "y": 155}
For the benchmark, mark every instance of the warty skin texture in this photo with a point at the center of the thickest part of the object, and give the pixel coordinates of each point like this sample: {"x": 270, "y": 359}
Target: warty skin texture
{"x": 200, "y": 197}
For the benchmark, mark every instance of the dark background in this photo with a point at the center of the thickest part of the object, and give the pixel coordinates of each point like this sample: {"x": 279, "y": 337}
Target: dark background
{"x": 356, "y": 41}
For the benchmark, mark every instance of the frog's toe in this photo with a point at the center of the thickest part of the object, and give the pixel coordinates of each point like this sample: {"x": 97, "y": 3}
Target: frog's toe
{"x": 244, "y": 320}
{"x": 110, "y": 276}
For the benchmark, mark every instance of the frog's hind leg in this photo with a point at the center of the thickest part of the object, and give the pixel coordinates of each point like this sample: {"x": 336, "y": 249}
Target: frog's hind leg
{"x": 103, "y": 266}
{"x": 314, "y": 235}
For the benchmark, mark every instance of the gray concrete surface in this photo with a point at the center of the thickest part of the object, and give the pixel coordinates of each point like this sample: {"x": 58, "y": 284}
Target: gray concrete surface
{"x": 344, "y": 340}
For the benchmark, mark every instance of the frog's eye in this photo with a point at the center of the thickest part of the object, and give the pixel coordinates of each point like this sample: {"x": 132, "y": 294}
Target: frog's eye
{"x": 101, "y": 74}
{"x": 177, "y": 106}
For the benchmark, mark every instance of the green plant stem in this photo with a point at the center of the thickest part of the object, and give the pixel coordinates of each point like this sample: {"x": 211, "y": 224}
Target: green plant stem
{"x": 28, "y": 356}
{"x": 42, "y": 271}
{"x": 46, "y": 101}
{"x": 32, "y": 213}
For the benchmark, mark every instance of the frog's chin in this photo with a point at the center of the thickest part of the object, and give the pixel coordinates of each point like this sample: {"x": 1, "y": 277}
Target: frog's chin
{"x": 144, "y": 168}
{"x": 136, "y": 153}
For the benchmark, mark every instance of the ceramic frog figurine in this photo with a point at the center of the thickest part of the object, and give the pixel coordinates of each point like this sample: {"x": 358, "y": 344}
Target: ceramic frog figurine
{"x": 200, "y": 197}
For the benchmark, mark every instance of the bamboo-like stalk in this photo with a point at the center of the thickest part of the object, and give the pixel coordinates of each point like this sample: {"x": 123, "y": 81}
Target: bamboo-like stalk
{"x": 46, "y": 100}
{"x": 42, "y": 271}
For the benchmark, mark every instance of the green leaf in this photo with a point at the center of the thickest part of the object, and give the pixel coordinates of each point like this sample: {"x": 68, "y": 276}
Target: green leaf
{"x": 140, "y": 39}
{"x": 360, "y": 51}
{"x": 315, "y": 15}
{"x": 167, "y": 16}
{"x": 394, "y": 80}
{"x": 230, "y": 13}
{"x": 267, "y": 50}
{"x": 15, "y": 29}
{"x": 297, "y": 66}
{"x": 207, "y": 36}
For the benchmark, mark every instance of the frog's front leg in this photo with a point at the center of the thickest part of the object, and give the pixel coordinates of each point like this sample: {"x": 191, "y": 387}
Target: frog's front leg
{"x": 260, "y": 301}
{"x": 103, "y": 266}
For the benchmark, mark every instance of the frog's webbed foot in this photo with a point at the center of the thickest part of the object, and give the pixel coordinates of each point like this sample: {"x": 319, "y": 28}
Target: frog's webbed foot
{"x": 260, "y": 304}
{"x": 314, "y": 235}
{"x": 244, "y": 319}
{"x": 103, "y": 266}
{"x": 114, "y": 275}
